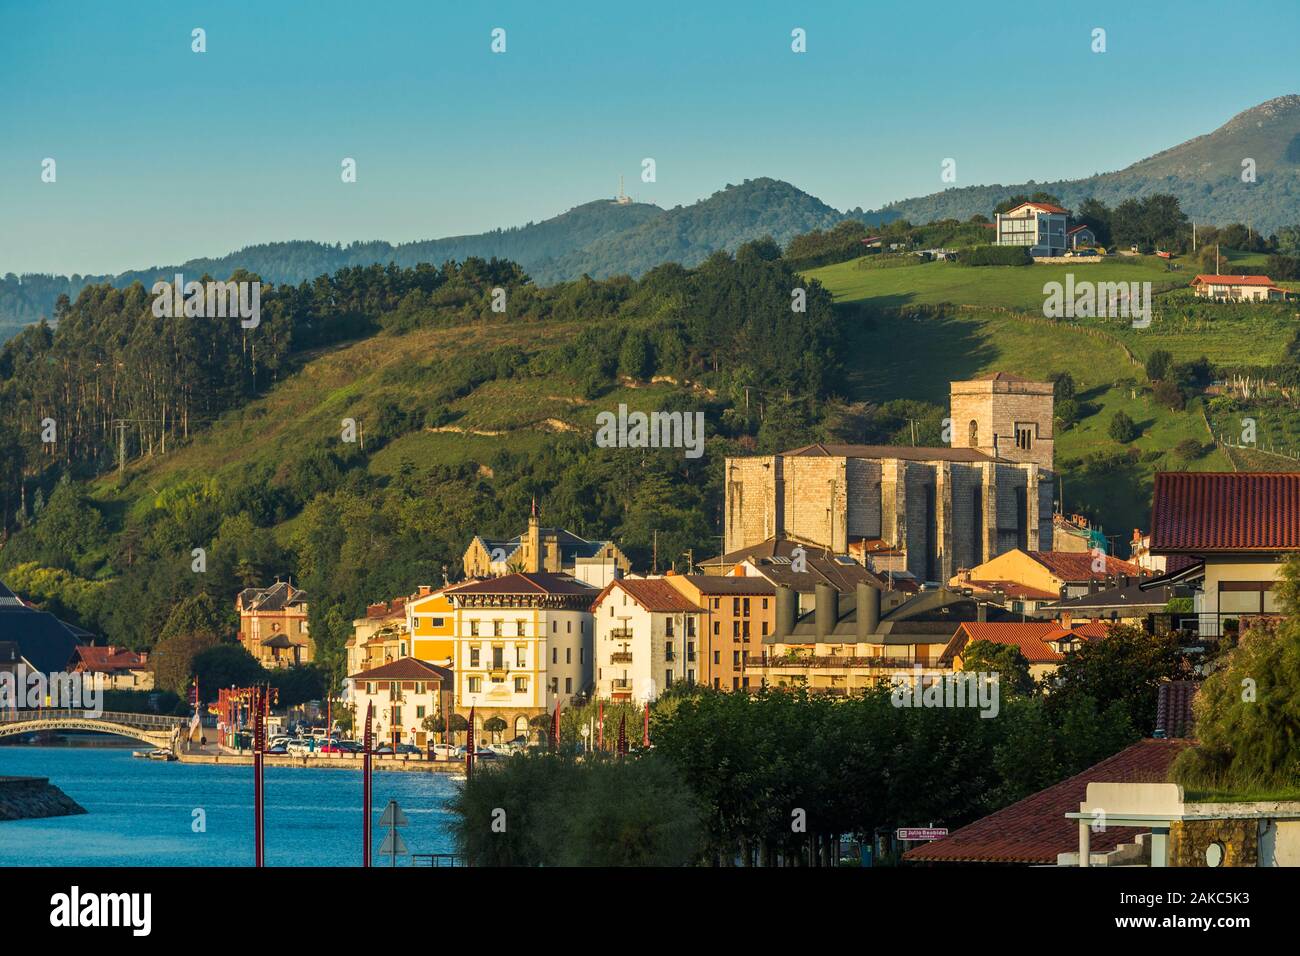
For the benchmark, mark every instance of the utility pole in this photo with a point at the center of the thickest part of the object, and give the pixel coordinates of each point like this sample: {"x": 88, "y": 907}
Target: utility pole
{"x": 654, "y": 560}
{"x": 121, "y": 448}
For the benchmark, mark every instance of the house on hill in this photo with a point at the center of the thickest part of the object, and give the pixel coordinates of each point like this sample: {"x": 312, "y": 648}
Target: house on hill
{"x": 1081, "y": 236}
{"x": 273, "y": 625}
{"x": 1239, "y": 289}
{"x": 1039, "y": 225}
{"x": 36, "y": 639}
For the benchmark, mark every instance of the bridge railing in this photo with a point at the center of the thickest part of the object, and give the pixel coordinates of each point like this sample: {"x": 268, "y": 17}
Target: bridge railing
{"x": 136, "y": 721}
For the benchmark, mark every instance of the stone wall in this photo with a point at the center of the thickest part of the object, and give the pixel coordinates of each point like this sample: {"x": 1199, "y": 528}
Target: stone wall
{"x": 25, "y": 798}
{"x": 1188, "y": 840}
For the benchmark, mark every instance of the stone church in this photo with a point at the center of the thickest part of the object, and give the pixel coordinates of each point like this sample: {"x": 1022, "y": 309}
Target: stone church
{"x": 942, "y": 509}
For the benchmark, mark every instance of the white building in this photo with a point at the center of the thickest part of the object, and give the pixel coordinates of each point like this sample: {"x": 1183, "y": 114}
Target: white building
{"x": 1039, "y": 225}
{"x": 404, "y": 693}
{"x": 643, "y": 626}
{"x": 522, "y": 643}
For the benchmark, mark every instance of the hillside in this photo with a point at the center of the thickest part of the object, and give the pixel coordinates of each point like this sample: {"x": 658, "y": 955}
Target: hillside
{"x": 599, "y": 238}
{"x": 1204, "y": 173}
{"x": 941, "y": 321}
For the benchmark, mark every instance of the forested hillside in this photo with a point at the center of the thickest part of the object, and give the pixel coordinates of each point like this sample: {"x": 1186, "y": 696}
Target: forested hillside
{"x": 234, "y": 438}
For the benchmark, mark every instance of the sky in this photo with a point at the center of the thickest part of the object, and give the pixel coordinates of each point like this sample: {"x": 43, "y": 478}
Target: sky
{"x": 163, "y": 154}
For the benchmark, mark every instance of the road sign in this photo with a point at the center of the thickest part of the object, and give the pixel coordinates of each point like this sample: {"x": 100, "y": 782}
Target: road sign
{"x": 922, "y": 833}
{"x": 394, "y": 817}
{"x": 393, "y": 845}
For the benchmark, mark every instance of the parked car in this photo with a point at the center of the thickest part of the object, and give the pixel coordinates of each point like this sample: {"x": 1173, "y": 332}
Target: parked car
{"x": 383, "y": 749}
{"x": 298, "y": 746}
{"x": 278, "y": 749}
{"x": 447, "y": 751}
{"x": 331, "y": 747}
{"x": 348, "y": 746}
{"x": 409, "y": 749}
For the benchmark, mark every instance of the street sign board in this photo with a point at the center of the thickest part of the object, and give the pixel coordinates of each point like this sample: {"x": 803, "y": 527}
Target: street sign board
{"x": 393, "y": 845}
{"x": 922, "y": 833}
{"x": 393, "y": 816}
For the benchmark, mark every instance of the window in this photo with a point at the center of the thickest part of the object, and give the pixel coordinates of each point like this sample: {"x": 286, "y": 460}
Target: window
{"x": 668, "y": 650}
{"x": 735, "y": 629}
{"x": 521, "y": 685}
{"x": 555, "y": 655}
{"x": 690, "y": 676}
{"x": 568, "y": 655}
{"x": 520, "y": 628}
{"x": 475, "y": 685}
{"x": 735, "y": 683}
{"x": 668, "y": 678}
{"x": 419, "y": 713}
{"x": 973, "y": 434}
{"x": 717, "y": 683}
{"x": 735, "y": 658}
{"x": 497, "y": 629}
{"x": 764, "y": 604}
{"x": 554, "y": 626}
{"x": 735, "y": 606}
{"x": 744, "y": 629}
{"x": 473, "y": 628}
{"x": 473, "y": 656}
{"x": 568, "y": 685}
{"x": 764, "y": 632}
{"x": 437, "y": 621}
{"x": 568, "y": 627}
{"x": 690, "y": 650}
{"x": 716, "y": 628}
{"x": 1024, "y": 436}
{"x": 397, "y": 717}
{"x": 370, "y": 687}
{"x": 690, "y": 627}
{"x": 498, "y": 657}
{"x": 717, "y": 657}
{"x": 521, "y": 655}
{"x": 668, "y": 627}
{"x": 745, "y": 606}
{"x": 582, "y": 655}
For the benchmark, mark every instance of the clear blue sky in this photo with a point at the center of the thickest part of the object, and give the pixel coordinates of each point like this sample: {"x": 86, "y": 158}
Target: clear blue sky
{"x": 164, "y": 154}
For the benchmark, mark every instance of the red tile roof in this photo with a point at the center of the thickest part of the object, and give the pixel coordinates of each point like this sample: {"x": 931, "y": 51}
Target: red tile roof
{"x": 105, "y": 660}
{"x": 655, "y": 595}
{"x": 1030, "y": 637}
{"x": 1174, "y": 714}
{"x": 1071, "y": 231}
{"x": 541, "y": 582}
{"x": 1077, "y": 565}
{"x": 1035, "y": 830}
{"x": 1044, "y": 206}
{"x": 1013, "y": 590}
{"x": 1200, "y": 512}
{"x": 1233, "y": 280}
{"x": 406, "y": 668}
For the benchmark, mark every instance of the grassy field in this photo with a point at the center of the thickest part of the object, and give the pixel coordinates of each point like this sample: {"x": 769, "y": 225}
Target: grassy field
{"x": 1012, "y": 287}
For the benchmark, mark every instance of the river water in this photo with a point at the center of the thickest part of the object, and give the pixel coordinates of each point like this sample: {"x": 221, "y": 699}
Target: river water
{"x": 141, "y": 812}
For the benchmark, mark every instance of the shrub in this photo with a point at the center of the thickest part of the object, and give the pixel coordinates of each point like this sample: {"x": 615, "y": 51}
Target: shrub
{"x": 996, "y": 256}
{"x": 1123, "y": 429}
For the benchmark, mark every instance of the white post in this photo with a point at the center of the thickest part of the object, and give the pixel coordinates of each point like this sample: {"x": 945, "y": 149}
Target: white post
{"x": 1085, "y": 840}
{"x": 1159, "y": 846}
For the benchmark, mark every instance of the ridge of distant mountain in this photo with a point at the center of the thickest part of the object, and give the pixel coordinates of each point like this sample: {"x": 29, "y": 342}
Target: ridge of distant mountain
{"x": 1205, "y": 173}
{"x": 598, "y": 238}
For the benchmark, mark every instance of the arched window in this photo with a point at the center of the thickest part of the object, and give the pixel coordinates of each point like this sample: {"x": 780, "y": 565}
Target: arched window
{"x": 974, "y": 432}
{"x": 521, "y": 726}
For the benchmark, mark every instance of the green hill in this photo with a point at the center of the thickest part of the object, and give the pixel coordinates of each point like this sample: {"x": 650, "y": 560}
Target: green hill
{"x": 1204, "y": 173}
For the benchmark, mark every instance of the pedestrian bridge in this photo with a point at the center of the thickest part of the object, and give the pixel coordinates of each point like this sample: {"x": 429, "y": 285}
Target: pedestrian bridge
{"x": 153, "y": 729}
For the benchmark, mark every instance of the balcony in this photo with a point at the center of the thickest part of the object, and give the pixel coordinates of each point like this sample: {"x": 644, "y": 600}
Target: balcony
{"x": 621, "y": 683}
{"x": 621, "y": 633}
{"x": 842, "y": 662}
{"x": 621, "y": 657}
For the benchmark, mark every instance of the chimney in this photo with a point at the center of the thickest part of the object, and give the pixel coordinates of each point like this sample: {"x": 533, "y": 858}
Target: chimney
{"x": 1066, "y": 619}
{"x": 868, "y": 599}
{"x": 981, "y": 611}
{"x": 786, "y": 611}
{"x": 825, "y": 610}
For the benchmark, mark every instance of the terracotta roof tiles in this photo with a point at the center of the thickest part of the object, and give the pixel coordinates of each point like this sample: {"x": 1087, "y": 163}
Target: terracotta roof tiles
{"x": 1224, "y": 511}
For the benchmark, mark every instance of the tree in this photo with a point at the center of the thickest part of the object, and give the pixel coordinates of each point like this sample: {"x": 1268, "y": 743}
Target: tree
{"x": 173, "y": 659}
{"x": 229, "y": 665}
{"x": 1125, "y": 667}
{"x": 1005, "y": 660}
{"x": 1122, "y": 428}
{"x": 1247, "y": 710}
{"x": 494, "y": 725}
{"x": 1158, "y": 364}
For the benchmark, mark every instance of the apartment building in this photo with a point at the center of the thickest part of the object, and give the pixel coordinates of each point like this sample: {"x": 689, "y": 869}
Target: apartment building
{"x": 646, "y": 637}
{"x": 522, "y": 643}
{"x": 738, "y": 613}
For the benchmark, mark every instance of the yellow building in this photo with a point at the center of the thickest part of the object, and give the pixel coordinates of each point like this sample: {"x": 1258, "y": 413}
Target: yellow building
{"x": 1060, "y": 573}
{"x": 431, "y": 622}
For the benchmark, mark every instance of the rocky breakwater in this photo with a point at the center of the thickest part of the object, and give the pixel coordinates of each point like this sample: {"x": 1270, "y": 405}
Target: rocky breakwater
{"x": 25, "y": 798}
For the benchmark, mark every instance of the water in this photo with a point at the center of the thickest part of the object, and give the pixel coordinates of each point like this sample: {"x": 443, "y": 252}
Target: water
{"x": 140, "y": 812}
